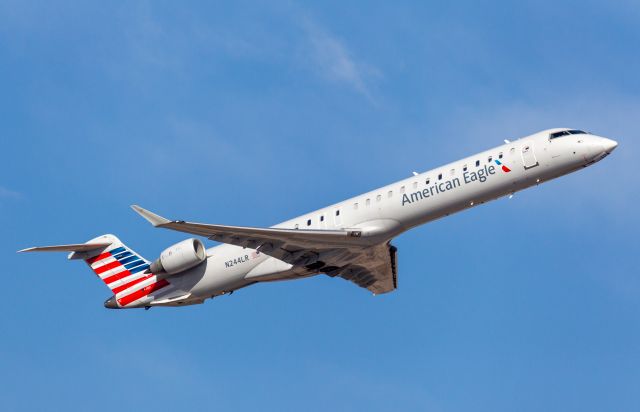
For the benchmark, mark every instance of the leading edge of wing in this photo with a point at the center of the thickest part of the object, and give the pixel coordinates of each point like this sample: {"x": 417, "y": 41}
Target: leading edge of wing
{"x": 339, "y": 238}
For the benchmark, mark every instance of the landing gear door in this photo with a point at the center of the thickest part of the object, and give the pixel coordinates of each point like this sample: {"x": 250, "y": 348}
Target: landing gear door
{"x": 528, "y": 156}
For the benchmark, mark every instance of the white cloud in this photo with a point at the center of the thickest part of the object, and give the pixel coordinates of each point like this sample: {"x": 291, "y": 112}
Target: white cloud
{"x": 333, "y": 60}
{"x": 9, "y": 194}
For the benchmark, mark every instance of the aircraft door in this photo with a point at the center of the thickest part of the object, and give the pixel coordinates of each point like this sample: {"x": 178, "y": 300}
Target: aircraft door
{"x": 528, "y": 156}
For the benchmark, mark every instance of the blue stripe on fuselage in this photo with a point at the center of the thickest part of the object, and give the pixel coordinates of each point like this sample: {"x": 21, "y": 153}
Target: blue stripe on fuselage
{"x": 117, "y": 250}
{"x": 128, "y": 259}
{"x": 123, "y": 255}
{"x": 138, "y": 269}
{"x": 134, "y": 264}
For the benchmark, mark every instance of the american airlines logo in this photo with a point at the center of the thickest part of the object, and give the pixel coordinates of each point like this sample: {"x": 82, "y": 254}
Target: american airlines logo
{"x": 503, "y": 167}
{"x": 469, "y": 176}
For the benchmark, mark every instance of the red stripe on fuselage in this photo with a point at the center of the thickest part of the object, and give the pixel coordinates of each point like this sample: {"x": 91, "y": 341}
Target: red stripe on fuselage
{"x": 129, "y": 284}
{"x": 117, "y": 276}
{"x": 142, "y": 292}
{"x": 106, "y": 267}
{"x": 99, "y": 257}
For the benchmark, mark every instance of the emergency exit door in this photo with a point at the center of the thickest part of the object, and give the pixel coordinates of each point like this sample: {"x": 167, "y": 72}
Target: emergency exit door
{"x": 528, "y": 156}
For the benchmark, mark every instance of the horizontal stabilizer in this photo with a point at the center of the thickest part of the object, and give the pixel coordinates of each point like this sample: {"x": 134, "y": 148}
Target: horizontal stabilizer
{"x": 81, "y": 247}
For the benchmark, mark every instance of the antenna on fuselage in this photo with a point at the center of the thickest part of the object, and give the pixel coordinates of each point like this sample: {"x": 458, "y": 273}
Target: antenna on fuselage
{"x": 415, "y": 173}
{"x": 507, "y": 141}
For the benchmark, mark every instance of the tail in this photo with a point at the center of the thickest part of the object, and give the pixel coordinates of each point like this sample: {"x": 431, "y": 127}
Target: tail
{"x": 124, "y": 271}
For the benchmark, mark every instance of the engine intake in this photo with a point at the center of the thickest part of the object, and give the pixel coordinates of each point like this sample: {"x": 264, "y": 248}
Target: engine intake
{"x": 180, "y": 257}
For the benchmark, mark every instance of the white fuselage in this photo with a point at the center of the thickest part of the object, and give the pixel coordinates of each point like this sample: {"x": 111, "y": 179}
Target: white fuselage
{"x": 400, "y": 206}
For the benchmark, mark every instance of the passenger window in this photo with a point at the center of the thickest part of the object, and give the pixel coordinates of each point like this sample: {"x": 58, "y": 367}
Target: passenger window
{"x": 322, "y": 218}
{"x": 402, "y": 189}
{"x": 309, "y": 222}
{"x": 477, "y": 163}
{"x": 338, "y": 212}
{"x": 464, "y": 168}
{"x": 355, "y": 206}
{"x": 390, "y": 194}
{"x": 512, "y": 150}
{"x": 368, "y": 202}
{"x": 428, "y": 180}
{"x": 440, "y": 176}
{"x": 489, "y": 159}
{"x": 500, "y": 155}
{"x": 378, "y": 198}
{"x": 297, "y": 226}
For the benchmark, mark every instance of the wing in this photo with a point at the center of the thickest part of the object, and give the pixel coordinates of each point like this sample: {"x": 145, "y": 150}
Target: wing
{"x": 344, "y": 253}
{"x": 376, "y": 270}
{"x": 242, "y": 236}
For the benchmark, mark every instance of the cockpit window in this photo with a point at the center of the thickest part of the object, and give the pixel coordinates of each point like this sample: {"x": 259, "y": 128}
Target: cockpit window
{"x": 565, "y": 133}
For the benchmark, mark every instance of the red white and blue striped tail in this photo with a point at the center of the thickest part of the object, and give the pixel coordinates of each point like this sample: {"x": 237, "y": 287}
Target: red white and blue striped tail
{"x": 124, "y": 271}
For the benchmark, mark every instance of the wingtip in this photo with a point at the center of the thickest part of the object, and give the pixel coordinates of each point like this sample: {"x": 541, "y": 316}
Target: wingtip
{"x": 154, "y": 219}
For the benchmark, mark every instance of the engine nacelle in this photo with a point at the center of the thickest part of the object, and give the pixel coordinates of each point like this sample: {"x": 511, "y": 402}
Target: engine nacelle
{"x": 180, "y": 257}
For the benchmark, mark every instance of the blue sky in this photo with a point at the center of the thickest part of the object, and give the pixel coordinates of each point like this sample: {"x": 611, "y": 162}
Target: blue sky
{"x": 251, "y": 113}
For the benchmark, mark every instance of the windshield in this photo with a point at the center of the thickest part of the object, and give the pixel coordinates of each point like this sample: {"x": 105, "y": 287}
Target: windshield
{"x": 565, "y": 133}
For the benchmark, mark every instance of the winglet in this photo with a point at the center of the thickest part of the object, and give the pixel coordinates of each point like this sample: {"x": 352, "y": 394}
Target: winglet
{"x": 154, "y": 219}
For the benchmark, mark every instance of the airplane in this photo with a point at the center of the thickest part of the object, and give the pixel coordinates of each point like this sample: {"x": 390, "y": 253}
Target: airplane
{"x": 349, "y": 239}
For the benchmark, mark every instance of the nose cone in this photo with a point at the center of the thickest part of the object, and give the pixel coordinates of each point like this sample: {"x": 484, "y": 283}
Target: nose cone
{"x": 111, "y": 303}
{"x": 609, "y": 145}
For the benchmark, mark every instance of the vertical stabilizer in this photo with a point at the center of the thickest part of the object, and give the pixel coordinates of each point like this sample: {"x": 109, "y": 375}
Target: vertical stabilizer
{"x": 124, "y": 271}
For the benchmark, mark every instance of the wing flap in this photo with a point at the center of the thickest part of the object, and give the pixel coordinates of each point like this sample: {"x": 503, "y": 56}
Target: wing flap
{"x": 379, "y": 272}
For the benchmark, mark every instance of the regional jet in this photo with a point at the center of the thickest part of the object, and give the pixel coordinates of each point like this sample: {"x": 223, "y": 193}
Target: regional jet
{"x": 349, "y": 239}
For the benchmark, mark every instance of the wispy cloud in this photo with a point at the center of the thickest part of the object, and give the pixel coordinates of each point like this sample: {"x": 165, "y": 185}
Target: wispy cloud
{"x": 334, "y": 61}
{"x": 9, "y": 194}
